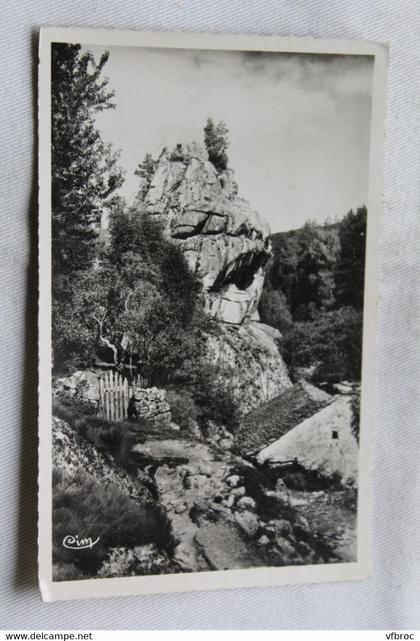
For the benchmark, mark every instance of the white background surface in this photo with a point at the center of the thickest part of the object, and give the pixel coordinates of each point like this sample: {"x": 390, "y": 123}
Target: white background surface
{"x": 391, "y": 597}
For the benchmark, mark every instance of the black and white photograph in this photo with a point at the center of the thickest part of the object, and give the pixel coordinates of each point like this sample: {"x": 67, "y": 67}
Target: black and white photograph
{"x": 207, "y": 304}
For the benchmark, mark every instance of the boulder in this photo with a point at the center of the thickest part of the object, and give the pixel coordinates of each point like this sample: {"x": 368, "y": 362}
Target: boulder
{"x": 282, "y": 527}
{"x": 226, "y": 443}
{"x": 246, "y": 503}
{"x": 287, "y": 550}
{"x": 223, "y": 547}
{"x": 248, "y": 522}
{"x": 83, "y": 386}
{"x": 233, "y": 480}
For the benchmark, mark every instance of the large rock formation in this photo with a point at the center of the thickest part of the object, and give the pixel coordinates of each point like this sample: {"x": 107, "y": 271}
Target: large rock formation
{"x": 250, "y": 352}
{"x": 227, "y": 245}
{"x": 225, "y": 242}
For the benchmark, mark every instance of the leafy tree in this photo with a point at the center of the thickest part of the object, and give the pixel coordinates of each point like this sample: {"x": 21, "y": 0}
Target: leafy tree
{"x": 350, "y": 273}
{"x": 141, "y": 305}
{"x": 303, "y": 269}
{"x": 216, "y": 142}
{"x": 134, "y": 231}
{"x": 80, "y": 319}
{"x": 84, "y": 174}
{"x": 328, "y": 347}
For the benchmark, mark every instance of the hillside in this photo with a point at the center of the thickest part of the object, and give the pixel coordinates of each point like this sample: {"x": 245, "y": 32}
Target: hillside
{"x": 313, "y": 294}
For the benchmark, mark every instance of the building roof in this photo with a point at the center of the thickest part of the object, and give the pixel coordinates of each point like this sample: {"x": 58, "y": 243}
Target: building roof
{"x": 268, "y": 422}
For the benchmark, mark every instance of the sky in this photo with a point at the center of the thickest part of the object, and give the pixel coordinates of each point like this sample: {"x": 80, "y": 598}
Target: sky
{"x": 298, "y": 123}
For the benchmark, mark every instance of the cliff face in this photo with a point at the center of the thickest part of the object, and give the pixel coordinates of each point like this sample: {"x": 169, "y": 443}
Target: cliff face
{"x": 227, "y": 245}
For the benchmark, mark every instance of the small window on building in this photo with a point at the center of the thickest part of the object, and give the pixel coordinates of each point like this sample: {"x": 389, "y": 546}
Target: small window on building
{"x": 335, "y": 434}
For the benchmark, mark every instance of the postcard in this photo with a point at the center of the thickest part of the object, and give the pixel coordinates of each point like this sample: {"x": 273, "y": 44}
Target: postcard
{"x": 209, "y": 221}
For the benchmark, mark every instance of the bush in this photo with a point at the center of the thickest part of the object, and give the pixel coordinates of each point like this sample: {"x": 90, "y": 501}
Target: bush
{"x": 83, "y": 507}
{"x": 140, "y": 561}
{"x": 183, "y": 409}
{"x": 213, "y": 395}
{"x": 116, "y": 439}
{"x": 63, "y": 408}
{"x": 68, "y": 407}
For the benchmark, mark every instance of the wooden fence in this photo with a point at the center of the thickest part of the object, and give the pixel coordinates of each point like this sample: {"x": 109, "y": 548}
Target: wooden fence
{"x": 115, "y": 394}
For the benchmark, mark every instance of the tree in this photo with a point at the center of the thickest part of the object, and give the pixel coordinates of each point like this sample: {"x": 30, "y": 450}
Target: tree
{"x": 328, "y": 347}
{"x": 84, "y": 168}
{"x": 141, "y": 306}
{"x": 303, "y": 269}
{"x": 145, "y": 171}
{"x": 216, "y": 142}
{"x": 350, "y": 273}
{"x": 273, "y": 309}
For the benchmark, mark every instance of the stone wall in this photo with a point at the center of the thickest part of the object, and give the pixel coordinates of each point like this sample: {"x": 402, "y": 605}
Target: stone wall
{"x": 151, "y": 404}
{"x": 83, "y": 386}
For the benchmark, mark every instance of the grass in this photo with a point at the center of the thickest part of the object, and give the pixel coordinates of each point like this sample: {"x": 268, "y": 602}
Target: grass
{"x": 84, "y": 507}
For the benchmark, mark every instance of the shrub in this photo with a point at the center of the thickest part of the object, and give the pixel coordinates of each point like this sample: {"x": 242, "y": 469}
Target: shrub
{"x": 116, "y": 439}
{"x": 183, "y": 409}
{"x": 73, "y": 405}
{"x": 83, "y": 507}
{"x": 65, "y": 410}
{"x": 349, "y": 496}
{"x": 140, "y": 561}
{"x": 214, "y": 397}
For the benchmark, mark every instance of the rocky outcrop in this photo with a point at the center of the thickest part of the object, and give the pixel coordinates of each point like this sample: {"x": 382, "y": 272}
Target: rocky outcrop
{"x": 224, "y": 240}
{"x": 227, "y": 245}
{"x": 257, "y": 372}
